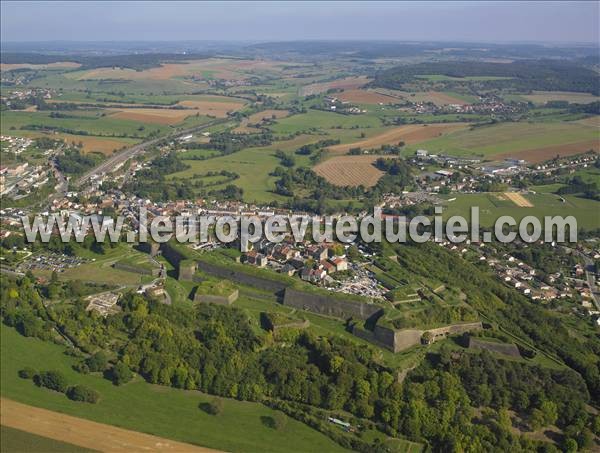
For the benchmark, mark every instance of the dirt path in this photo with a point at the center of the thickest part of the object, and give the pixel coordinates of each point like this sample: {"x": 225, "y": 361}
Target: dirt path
{"x": 518, "y": 199}
{"x": 86, "y": 433}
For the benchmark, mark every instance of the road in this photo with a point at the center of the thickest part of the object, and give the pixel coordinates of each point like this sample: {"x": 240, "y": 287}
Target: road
{"x": 113, "y": 162}
{"x": 589, "y": 266}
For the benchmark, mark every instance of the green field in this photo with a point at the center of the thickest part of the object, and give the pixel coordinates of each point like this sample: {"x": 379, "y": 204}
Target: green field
{"x": 253, "y": 165}
{"x": 587, "y": 212}
{"x": 508, "y": 137}
{"x": 162, "y": 411}
{"x": 17, "y": 441}
{"x": 320, "y": 120}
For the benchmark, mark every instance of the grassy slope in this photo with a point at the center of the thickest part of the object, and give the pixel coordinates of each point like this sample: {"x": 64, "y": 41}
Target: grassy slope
{"x": 151, "y": 409}
{"x": 15, "y": 441}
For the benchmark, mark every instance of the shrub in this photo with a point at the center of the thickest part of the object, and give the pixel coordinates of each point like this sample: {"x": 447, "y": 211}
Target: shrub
{"x": 97, "y": 362}
{"x": 279, "y": 420}
{"x": 53, "y": 380}
{"x": 215, "y": 407}
{"x": 121, "y": 374}
{"x": 83, "y": 393}
{"x": 27, "y": 373}
{"x": 81, "y": 367}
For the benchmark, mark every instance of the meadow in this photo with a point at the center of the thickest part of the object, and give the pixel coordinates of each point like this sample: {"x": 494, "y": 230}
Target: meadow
{"x": 158, "y": 410}
{"x": 515, "y": 139}
{"x": 587, "y": 212}
{"x": 253, "y": 165}
{"x": 15, "y": 440}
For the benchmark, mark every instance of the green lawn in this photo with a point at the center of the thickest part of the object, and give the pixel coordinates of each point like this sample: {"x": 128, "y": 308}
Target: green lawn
{"x": 323, "y": 120}
{"x": 162, "y": 411}
{"x": 587, "y": 212}
{"x": 17, "y": 441}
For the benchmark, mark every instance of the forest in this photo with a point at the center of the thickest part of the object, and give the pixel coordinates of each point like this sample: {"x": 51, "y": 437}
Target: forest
{"x": 522, "y": 75}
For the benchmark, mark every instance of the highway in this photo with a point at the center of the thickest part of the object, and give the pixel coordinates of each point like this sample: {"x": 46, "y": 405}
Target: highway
{"x": 112, "y": 162}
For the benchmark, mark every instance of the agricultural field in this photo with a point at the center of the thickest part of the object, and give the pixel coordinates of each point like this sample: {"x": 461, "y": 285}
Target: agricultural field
{"x": 435, "y": 97}
{"x": 154, "y": 116}
{"x": 334, "y": 123}
{"x": 253, "y": 165}
{"x": 491, "y": 207}
{"x": 359, "y": 96}
{"x": 348, "y": 83}
{"x": 152, "y": 409}
{"x": 541, "y": 97}
{"x": 15, "y": 440}
{"x": 530, "y": 141}
{"x": 207, "y": 69}
{"x": 350, "y": 170}
{"x": 410, "y": 134}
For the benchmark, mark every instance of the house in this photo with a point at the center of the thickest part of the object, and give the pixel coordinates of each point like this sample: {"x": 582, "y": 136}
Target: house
{"x": 318, "y": 252}
{"x": 288, "y": 269}
{"x": 313, "y": 275}
{"x": 328, "y": 266}
{"x": 255, "y": 258}
{"x": 283, "y": 253}
{"x": 340, "y": 264}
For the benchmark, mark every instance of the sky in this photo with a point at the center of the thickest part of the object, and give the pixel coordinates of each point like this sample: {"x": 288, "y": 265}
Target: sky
{"x": 509, "y": 21}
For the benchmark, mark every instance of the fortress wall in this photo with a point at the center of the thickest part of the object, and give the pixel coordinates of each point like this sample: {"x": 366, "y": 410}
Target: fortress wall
{"x": 171, "y": 254}
{"x": 330, "y": 306}
{"x": 137, "y": 270}
{"x": 240, "y": 277}
{"x": 219, "y": 300}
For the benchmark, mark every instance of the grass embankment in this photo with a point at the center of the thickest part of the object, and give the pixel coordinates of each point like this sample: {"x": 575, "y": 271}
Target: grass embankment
{"x": 162, "y": 411}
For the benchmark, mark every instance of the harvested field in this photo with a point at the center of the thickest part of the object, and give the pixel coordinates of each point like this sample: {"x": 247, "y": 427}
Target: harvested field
{"x": 210, "y": 68}
{"x": 85, "y": 433}
{"x": 350, "y": 170}
{"x": 549, "y": 152}
{"x": 90, "y": 143}
{"x": 366, "y": 97}
{"x": 349, "y": 83}
{"x": 155, "y": 116}
{"x": 410, "y": 134}
{"x": 218, "y": 109}
{"x": 267, "y": 114}
{"x": 518, "y": 199}
{"x": 57, "y": 65}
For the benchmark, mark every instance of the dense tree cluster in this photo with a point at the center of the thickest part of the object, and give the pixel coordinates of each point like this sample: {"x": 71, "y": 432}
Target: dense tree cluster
{"x": 453, "y": 401}
{"x": 520, "y": 75}
{"x": 74, "y": 162}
